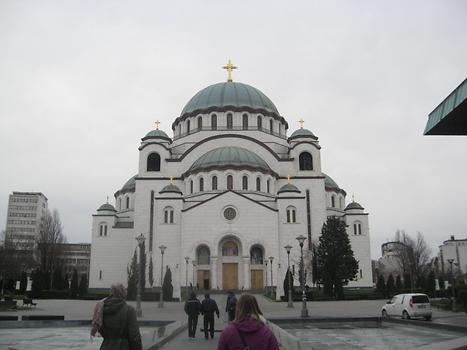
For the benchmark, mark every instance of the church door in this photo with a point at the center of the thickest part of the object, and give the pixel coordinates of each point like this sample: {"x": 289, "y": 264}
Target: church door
{"x": 203, "y": 279}
{"x": 230, "y": 276}
{"x": 257, "y": 279}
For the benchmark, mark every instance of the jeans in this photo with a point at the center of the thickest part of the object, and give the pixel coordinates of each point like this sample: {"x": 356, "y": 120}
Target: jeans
{"x": 192, "y": 323}
{"x": 209, "y": 326}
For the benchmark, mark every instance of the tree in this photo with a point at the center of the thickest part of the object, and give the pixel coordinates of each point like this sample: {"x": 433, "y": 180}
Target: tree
{"x": 288, "y": 282}
{"x": 23, "y": 283}
{"x": 431, "y": 284}
{"x": 398, "y": 284}
{"x": 167, "y": 285}
{"x": 58, "y": 282}
{"x": 390, "y": 286}
{"x": 407, "y": 282}
{"x": 314, "y": 266}
{"x": 381, "y": 285}
{"x": 132, "y": 277}
{"x": 151, "y": 272}
{"x": 49, "y": 243}
{"x": 74, "y": 284}
{"x": 142, "y": 266}
{"x": 83, "y": 285}
{"x": 335, "y": 259}
{"x": 441, "y": 282}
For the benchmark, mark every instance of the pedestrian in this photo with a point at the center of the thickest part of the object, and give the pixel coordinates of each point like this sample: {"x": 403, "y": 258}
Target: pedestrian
{"x": 208, "y": 308}
{"x": 192, "y": 309}
{"x": 116, "y": 322}
{"x": 231, "y": 305}
{"x": 247, "y": 331}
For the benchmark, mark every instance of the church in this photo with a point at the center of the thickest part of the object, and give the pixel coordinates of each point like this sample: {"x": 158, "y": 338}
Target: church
{"x": 218, "y": 202}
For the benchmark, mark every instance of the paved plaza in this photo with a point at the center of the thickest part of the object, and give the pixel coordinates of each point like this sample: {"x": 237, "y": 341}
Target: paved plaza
{"x": 173, "y": 311}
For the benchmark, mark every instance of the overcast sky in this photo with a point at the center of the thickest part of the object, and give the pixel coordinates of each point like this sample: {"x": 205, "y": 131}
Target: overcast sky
{"x": 82, "y": 81}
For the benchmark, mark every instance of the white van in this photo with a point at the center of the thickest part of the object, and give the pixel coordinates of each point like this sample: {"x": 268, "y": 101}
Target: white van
{"x": 408, "y": 306}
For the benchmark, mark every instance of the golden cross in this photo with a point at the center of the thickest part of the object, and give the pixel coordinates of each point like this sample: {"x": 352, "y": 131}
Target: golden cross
{"x": 157, "y": 124}
{"x": 107, "y": 199}
{"x": 171, "y": 179}
{"x": 288, "y": 178}
{"x": 229, "y": 68}
{"x": 301, "y": 121}
{"x": 353, "y": 197}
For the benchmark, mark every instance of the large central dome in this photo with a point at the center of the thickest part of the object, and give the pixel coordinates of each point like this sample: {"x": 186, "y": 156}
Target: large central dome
{"x": 229, "y": 94}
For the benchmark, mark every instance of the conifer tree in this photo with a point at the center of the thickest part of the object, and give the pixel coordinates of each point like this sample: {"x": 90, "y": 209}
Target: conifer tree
{"x": 381, "y": 285}
{"x": 74, "y": 284}
{"x": 132, "y": 278}
{"x": 23, "y": 282}
{"x": 151, "y": 272}
{"x": 390, "y": 286}
{"x": 167, "y": 285}
{"x": 398, "y": 284}
{"x": 142, "y": 265}
{"x": 335, "y": 259}
{"x": 431, "y": 284}
{"x": 83, "y": 285}
{"x": 288, "y": 280}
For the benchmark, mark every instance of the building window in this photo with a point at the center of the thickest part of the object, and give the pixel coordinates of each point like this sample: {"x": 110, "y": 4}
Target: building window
{"x": 200, "y": 123}
{"x": 214, "y": 183}
{"x": 168, "y": 215}
{"x": 214, "y": 122}
{"x": 245, "y": 122}
{"x": 203, "y": 255}
{"x": 361, "y": 273}
{"x": 187, "y": 126}
{"x": 230, "y": 248}
{"x": 245, "y": 183}
{"x": 229, "y": 182}
{"x": 259, "y": 121}
{"x": 291, "y": 215}
{"x": 305, "y": 161}
{"x": 229, "y": 121}
{"x": 103, "y": 230}
{"x": 191, "y": 186}
{"x": 271, "y": 126}
{"x": 154, "y": 162}
{"x": 100, "y": 275}
{"x": 201, "y": 184}
{"x": 128, "y": 202}
{"x": 357, "y": 228}
{"x": 341, "y": 203}
{"x": 268, "y": 186}
{"x": 120, "y": 203}
{"x": 256, "y": 256}
{"x": 333, "y": 201}
{"x": 230, "y": 214}
{"x": 258, "y": 184}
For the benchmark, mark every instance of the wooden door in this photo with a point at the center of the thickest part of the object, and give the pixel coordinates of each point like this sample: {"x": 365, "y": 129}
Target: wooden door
{"x": 199, "y": 279}
{"x": 230, "y": 276}
{"x": 257, "y": 279}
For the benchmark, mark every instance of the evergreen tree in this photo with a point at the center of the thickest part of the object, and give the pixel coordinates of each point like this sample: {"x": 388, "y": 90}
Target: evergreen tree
{"x": 335, "y": 259}
{"x": 431, "y": 284}
{"x": 421, "y": 282}
{"x": 314, "y": 267}
{"x": 74, "y": 284}
{"x": 142, "y": 265}
{"x": 398, "y": 284}
{"x": 23, "y": 282}
{"x": 407, "y": 282}
{"x": 57, "y": 279}
{"x": 151, "y": 272}
{"x": 390, "y": 286}
{"x": 83, "y": 285}
{"x": 288, "y": 280}
{"x": 37, "y": 283}
{"x": 132, "y": 278}
{"x": 167, "y": 285}
{"x": 381, "y": 285}
{"x": 441, "y": 283}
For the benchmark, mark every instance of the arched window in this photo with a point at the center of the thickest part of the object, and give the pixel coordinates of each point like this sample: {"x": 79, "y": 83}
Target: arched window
{"x": 127, "y": 202}
{"x": 230, "y": 248}
{"x": 229, "y": 121}
{"x": 268, "y": 186}
{"x": 245, "y": 183}
{"x": 214, "y": 122}
{"x": 259, "y": 121}
{"x": 153, "y": 162}
{"x": 120, "y": 203}
{"x": 229, "y": 182}
{"x": 200, "y": 123}
{"x": 188, "y": 126}
{"x": 271, "y": 126}
{"x": 214, "y": 183}
{"x": 341, "y": 203}
{"x": 357, "y": 228}
{"x": 201, "y": 184}
{"x": 191, "y": 186}
{"x": 256, "y": 256}
{"x": 333, "y": 201}
{"x": 168, "y": 215}
{"x": 291, "y": 214}
{"x": 258, "y": 184}
{"x": 103, "y": 230}
{"x": 245, "y": 122}
{"x": 100, "y": 275}
{"x": 203, "y": 255}
{"x": 305, "y": 161}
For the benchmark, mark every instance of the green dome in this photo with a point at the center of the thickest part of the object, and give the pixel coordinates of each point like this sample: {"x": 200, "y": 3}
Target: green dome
{"x": 229, "y": 94}
{"x": 156, "y": 134}
{"x": 106, "y": 207}
{"x": 288, "y": 188}
{"x": 302, "y": 133}
{"x": 229, "y": 158}
{"x": 330, "y": 183}
{"x": 129, "y": 186}
{"x": 353, "y": 205}
{"x": 171, "y": 188}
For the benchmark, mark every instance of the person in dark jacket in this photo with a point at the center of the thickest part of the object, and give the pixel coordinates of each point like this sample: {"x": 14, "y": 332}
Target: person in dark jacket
{"x": 116, "y": 322}
{"x": 247, "y": 331}
{"x": 208, "y": 308}
{"x": 192, "y": 309}
{"x": 231, "y": 305}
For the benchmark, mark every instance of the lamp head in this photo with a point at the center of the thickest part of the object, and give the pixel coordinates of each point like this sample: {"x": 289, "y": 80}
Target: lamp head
{"x": 187, "y": 258}
{"x": 140, "y": 239}
{"x": 271, "y": 258}
{"x": 288, "y": 248}
{"x": 301, "y": 240}
{"x": 162, "y": 248}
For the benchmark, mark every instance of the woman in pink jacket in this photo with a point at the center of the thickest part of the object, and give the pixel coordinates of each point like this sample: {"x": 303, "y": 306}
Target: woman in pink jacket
{"x": 247, "y": 331}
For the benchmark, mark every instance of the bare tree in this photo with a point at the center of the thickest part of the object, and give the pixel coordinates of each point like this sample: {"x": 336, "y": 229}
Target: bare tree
{"x": 49, "y": 243}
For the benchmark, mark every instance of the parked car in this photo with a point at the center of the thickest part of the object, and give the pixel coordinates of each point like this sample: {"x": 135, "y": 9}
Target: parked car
{"x": 408, "y": 306}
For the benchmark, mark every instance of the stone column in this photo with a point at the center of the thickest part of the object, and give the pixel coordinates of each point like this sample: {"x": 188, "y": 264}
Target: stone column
{"x": 246, "y": 272}
{"x": 214, "y": 282}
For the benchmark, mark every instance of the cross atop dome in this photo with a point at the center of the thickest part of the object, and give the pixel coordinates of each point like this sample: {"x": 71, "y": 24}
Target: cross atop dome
{"x": 229, "y": 68}
{"x": 157, "y": 122}
{"x": 301, "y": 121}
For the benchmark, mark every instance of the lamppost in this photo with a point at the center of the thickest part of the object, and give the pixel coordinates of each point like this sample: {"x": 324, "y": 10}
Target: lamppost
{"x": 289, "y": 274}
{"x": 271, "y": 258}
{"x": 161, "y": 297}
{"x": 186, "y": 277}
{"x": 194, "y": 266}
{"x": 301, "y": 240}
{"x": 266, "y": 263}
{"x": 453, "y": 286}
{"x": 139, "y": 313}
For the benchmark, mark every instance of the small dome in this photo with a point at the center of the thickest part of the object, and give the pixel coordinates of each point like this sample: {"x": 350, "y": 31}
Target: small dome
{"x": 288, "y": 188}
{"x": 329, "y": 183}
{"x": 129, "y": 186}
{"x": 156, "y": 134}
{"x": 305, "y": 133}
{"x": 229, "y": 158}
{"x": 106, "y": 207}
{"x": 171, "y": 188}
{"x": 353, "y": 205}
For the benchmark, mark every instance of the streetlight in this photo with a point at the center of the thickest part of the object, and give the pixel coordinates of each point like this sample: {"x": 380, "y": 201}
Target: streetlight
{"x": 266, "y": 263}
{"x": 450, "y": 261}
{"x": 289, "y": 274}
{"x": 161, "y": 298}
{"x": 301, "y": 240}
{"x": 194, "y": 266}
{"x": 271, "y": 258}
{"x": 186, "y": 277}
{"x": 139, "y": 313}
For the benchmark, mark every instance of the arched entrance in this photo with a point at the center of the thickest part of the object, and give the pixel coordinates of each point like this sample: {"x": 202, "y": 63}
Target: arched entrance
{"x": 203, "y": 272}
{"x": 230, "y": 261}
{"x": 257, "y": 269}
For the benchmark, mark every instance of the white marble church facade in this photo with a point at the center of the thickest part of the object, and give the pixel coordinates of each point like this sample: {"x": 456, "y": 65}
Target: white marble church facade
{"x": 228, "y": 191}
